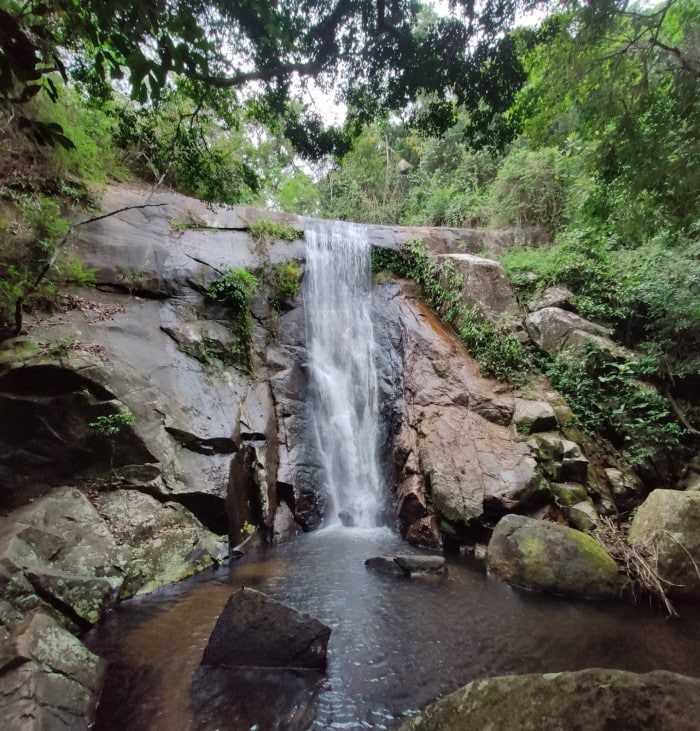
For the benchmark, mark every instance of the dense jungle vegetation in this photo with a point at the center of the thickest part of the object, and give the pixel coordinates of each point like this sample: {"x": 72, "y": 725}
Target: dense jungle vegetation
{"x": 585, "y": 126}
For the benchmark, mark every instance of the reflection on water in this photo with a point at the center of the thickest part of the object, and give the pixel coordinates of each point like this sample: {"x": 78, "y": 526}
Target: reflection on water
{"x": 396, "y": 643}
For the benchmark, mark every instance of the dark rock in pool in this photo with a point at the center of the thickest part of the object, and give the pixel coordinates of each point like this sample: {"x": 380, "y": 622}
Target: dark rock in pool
{"x": 346, "y": 519}
{"x": 407, "y": 565}
{"x": 263, "y": 698}
{"x": 385, "y": 564}
{"x": 254, "y": 630}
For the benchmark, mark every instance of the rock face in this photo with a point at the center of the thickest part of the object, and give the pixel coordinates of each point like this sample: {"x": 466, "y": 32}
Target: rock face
{"x": 48, "y": 678}
{"x": 667, "y": 527}
{"x": 75, "y": 561}
{"x": 595, "y": 700}
{"x": 535, "y": 554}
{"x": 558, "y": 331}
{"x": 451, "y": 434}
{"x": 486, "y": 287}
{"x": 256, "y": 631}
{"x": 551, "y": 297}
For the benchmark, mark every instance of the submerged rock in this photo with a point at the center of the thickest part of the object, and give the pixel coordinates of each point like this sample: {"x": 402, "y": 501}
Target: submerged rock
{"x": 594, "y": 700}
{"x": 535, "y": 554}
{"x": 48, "y": 678}
{"x": 254, "y": 630}
{"x": 421, "y": 564}
{"x": 406, "y": 565}
{"x": 667, "y": 528}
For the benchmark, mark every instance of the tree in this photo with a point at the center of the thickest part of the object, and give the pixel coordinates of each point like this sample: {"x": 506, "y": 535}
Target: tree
{"x": 380, "y": 53}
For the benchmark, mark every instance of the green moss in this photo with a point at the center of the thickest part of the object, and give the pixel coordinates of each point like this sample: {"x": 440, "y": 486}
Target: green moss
{"x": 537, "y": 562}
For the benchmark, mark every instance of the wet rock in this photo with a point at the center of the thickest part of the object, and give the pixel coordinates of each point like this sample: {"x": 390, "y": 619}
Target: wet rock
{"x": 486, "y": 287}
{"x": 533, "y": 416}
{"x": 595, "y": 700}
{"x": 412, "y": 564}
{"x": 48, "y": 678}
{"x": 166, "y": 541}
{"x": 549, "y": 557}
{"x": 385, "y": 564}
{"x": 440, "y": 435}
{"x": 346, "y": 519}
{"x": 551, "y": 297}
{"x": 284, "y": 527}
{"x": 558, "y": 331}
{"x": 255, "y": 630}
{"x": 666, "y": 526}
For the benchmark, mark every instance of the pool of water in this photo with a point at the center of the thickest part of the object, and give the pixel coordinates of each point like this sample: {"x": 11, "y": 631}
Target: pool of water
{"x": 396, "y": 643}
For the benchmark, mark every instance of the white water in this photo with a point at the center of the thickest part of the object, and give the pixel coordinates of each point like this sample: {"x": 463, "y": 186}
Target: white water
{"x": 343, "y": 377}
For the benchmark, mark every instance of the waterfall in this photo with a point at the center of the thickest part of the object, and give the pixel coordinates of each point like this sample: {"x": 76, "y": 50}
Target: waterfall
{"x": 343, "y": 377}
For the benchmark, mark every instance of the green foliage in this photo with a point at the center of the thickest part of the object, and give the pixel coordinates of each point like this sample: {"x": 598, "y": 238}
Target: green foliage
{"x": 236, "y": 289}
{"x": 298, "y": 194}
{"x": 612, "y": 403}
{"x": 111, "y": 425}
{"x": 284, "y": 282}
{"x": 495, "y": 347}
{"x": 531, "y": 189}
{"x": 269, "y": 231}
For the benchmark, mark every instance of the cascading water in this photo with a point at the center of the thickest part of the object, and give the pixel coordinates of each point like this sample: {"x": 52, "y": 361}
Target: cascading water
{"x": 340, "y": 342}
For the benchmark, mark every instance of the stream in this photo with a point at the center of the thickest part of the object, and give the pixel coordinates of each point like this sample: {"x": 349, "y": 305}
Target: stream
{"x": 396, "y": 643}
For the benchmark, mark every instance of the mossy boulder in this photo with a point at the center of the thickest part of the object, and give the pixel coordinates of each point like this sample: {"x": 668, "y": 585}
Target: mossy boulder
{"x": 593, "y": 699}
{"x": 543, "y": 556}
{"x": 667, "y": 528}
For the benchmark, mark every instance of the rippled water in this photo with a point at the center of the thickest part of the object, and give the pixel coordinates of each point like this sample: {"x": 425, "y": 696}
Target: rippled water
{"x": 396, "y": 643}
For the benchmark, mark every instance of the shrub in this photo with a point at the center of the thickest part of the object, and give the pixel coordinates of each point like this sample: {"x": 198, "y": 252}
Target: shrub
{"x": 530, "y": 189}
{"x": 284, "y": 282}
{"x": 497, "y": 350}
{"x": 235, "y": 289}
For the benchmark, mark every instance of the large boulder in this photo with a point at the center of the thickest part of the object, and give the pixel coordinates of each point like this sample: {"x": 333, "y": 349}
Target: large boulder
{"x": 535, "y": 554}
{"x": 558, "y": 331}
{"x": 594, "y": 700}
{"x": 48, "y": 678}
{"x": 486, "y": 287}
{"x": 254, "y": 630}
{"x": 60, "y": 549}
{"x": 167, "y": 542}
{"x": 667, "y": 528}
{"x": 551, "y": 297}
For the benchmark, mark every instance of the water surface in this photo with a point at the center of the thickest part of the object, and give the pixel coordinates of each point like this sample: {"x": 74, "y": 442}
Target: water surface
{"x": 396, "y": 643}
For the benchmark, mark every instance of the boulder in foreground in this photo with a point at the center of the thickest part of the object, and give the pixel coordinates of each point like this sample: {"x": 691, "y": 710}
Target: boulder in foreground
{"x": 536, "y": 554}
{"x": 667, "y": 528}
{"x": 254, "y": 630}
{"x": 594, "y": 700}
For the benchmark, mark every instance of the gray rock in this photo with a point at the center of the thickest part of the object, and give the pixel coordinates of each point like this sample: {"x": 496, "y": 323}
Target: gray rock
{"x": 551, "y": 297}
{"x": 558, "y": 332}
{"x": 48, "y": 678}
{"x": 595, "y": 700}
{"x": 284, "y": 527}
{"x": 413, "y": 564}
{"x": 486, "y": 287}
{"x": 667, "y": 527}
{"x": 583, "y": 515}
{"x": 385, "y": 564}
{"x": 626, "y": 487}
{"x": 549, "y": 557}
{"x": 65, "y": 552}
{"x": 533, "y": 416}
{"x": 166, "y": 541}
{"x": 256, "y": 631}
{"x": 560, "y": 459}
{"x": 568, "y": 493}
